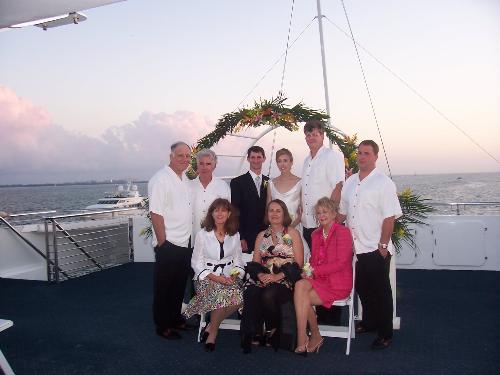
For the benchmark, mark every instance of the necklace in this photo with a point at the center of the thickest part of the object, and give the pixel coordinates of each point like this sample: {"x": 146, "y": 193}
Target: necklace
{"x": 325, "y": 234}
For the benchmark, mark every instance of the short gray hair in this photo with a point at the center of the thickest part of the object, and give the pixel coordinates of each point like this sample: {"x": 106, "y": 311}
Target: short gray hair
{"x": 204, "y": 153}
{"x": 177, "y": 144}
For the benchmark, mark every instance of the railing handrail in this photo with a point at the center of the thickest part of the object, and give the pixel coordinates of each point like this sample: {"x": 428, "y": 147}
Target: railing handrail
{"x": 31, "y": 213}
{"x": 464, "y": 203}
{"x": 91, "y": 213}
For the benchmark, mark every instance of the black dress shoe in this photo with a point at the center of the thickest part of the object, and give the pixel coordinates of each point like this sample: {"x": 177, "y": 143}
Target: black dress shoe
{"x": 360, "y": 328}
{"x": 381, "y": 343}
{"x": 246, "y": 344}
{"x": 168, "y": 334}
{"x": 186, "y": 327}
{"x": 209, "y": 346}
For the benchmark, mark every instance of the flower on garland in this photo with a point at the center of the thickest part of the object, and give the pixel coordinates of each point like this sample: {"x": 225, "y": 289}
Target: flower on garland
{"x": 276, "y": 113}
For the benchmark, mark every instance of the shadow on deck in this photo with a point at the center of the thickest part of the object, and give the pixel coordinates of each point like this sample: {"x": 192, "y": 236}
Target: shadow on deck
{"x": 102, "y": 324}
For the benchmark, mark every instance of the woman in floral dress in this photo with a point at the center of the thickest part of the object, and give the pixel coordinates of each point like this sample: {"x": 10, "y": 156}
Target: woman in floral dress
{"x": 217, "y": 266}
{"x": 277, "y": 259}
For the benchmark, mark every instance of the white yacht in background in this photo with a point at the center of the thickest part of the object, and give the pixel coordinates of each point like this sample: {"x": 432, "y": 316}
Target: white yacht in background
{"x": 128, "y": 197}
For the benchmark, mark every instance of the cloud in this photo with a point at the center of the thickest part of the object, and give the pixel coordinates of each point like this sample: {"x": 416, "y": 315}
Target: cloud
{"x": 35, "y": 150}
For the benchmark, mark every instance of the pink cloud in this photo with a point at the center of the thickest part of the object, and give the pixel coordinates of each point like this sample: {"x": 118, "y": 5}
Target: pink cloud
{"x": 33, "y": 149}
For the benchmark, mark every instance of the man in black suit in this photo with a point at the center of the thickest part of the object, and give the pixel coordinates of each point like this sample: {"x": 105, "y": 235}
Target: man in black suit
{"x": 248, "y": 194}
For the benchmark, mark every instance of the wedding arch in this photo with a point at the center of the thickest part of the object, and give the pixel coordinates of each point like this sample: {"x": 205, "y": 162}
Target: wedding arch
{"x": 277, "y": 114}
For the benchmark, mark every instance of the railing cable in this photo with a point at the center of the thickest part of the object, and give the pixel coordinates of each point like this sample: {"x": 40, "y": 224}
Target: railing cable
{"x": 367, "y": 88}
{"x": 274, "y": 64}
{"x": 414, "y": 91}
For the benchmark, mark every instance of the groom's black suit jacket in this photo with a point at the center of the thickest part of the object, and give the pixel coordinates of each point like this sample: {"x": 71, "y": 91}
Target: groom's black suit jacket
{"x": 252, "y": 207}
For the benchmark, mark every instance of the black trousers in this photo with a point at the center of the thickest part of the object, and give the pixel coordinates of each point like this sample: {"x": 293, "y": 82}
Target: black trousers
{"x": 332, "y": 315}
{"x": 374, "y": 289}
{"x": 263, "y": 305}
{"x": 171, "y": 270}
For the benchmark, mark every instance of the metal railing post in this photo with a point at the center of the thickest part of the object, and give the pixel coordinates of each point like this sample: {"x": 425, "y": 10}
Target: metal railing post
{"x": 56, "y": 258}
{"x": 47, "y": 250}
{"x": 131, "y": 238}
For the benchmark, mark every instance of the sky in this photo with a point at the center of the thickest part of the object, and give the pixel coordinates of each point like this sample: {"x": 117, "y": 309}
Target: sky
{"x": 105, "y": 99}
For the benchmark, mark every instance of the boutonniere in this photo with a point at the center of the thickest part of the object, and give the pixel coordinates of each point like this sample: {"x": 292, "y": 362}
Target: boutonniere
{"x": 287, "y": 239}
{"x": 308, "y": 270}
{"x": 266, "y": 182}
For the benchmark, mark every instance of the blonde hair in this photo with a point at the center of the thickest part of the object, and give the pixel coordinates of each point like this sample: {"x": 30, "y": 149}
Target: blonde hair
{"x": 326, "y": 203}
{"x": 284, "y": 151}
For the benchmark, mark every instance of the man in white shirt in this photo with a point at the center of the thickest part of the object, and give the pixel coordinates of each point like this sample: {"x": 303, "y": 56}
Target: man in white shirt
{"x": 322, "y": 175}
{"x": 205, "y": 188}
{"x": 370, "y": 206}
{"x": 171, "y": 217}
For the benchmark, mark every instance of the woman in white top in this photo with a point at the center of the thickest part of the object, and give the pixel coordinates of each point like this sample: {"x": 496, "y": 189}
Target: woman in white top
{"x": 286, "y": 187}
{"x": 218, "y": 267}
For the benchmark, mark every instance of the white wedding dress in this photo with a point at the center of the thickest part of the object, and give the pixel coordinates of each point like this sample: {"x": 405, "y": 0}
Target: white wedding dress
{"x": 291, "y": 197}
{"x": 292, "y": 202}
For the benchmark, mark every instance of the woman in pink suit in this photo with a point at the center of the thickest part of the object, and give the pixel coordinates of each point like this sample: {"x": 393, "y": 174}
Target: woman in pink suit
{"x": 329, "y": 278}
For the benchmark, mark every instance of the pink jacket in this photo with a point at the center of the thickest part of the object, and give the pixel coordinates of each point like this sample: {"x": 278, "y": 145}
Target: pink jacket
{"x": 333, "y": 260}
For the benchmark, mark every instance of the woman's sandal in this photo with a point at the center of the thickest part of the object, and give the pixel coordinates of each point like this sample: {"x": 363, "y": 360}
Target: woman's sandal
{"x": 316, "y": 348}
{"x": 302, "y": 349}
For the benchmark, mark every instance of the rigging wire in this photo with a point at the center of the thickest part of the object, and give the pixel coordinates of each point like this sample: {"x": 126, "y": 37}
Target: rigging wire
{"x": 414, "y": 91}
{"x": 367, "y": 88}
{"x": 274, "y": 64}
{"x": 280, "y": 94}
{"x": 286, "y": 50}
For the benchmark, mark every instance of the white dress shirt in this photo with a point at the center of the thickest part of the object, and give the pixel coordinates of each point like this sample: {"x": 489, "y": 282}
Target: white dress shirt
{"x": 169, "y": 197}
{"x": 254, "y": 176}
{"x": 206, "y": 255}
{"x": 320, "y": 175}
{"x": 202, "y": 198}
{"x": 366, "y": 204}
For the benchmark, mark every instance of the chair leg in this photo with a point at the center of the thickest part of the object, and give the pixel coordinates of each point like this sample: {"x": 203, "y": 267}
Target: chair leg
{"x": 203, "y": 323}
{"x": 351, "y": 331}
{"x": 4, "y": 365}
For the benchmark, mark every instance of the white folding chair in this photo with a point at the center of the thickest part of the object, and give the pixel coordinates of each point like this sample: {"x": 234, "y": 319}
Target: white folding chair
{"x": 4, "y": 365}
{"x": 348, "y": 331}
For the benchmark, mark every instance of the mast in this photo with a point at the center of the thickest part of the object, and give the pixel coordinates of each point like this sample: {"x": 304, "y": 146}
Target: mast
{"x": 323, "y": 62}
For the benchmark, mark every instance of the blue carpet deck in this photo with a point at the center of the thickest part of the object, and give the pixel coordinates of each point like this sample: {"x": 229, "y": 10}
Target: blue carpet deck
{"x": 102, "y": 324}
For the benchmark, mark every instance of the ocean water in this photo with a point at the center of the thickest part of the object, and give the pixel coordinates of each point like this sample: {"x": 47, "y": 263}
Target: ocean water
{"x": 447, "y": 188}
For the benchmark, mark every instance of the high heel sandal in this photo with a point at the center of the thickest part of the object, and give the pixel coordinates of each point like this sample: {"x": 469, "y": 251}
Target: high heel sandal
{"x": 273, "y": 339}
{"x": 302, "y": 349}
{"x": 316, "y": 348}
{"x": 210, "y": 346}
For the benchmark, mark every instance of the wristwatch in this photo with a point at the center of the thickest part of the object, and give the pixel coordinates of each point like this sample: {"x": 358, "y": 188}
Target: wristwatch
{"x": 383, "y": 245}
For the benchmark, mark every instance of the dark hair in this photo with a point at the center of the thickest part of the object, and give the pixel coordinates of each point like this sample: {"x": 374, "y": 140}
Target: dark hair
{"x": 256, "y": 149}
{"x": 314, "y": 124}
{"x": 369, "y": 142}
{"x": 232, "y": 223}
{"x": 284, "y": 151}
{"x": 287, "y": 219}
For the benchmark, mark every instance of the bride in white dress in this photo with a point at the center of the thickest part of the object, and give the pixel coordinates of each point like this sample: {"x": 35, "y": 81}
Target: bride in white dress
{"x": 286, "y": 186}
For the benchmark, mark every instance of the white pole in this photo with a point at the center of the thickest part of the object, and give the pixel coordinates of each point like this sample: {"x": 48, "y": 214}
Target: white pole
{"x": 323, "y": 62}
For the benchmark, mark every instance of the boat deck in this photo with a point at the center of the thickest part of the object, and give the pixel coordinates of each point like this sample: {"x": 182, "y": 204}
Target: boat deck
{"x": 102, "y": 324}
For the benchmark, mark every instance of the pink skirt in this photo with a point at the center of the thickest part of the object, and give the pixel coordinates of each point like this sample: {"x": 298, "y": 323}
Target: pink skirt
{"x": 326, "y": 292}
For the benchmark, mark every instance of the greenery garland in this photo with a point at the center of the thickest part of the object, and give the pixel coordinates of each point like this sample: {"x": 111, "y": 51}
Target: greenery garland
{"x": 276, "y": 113}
